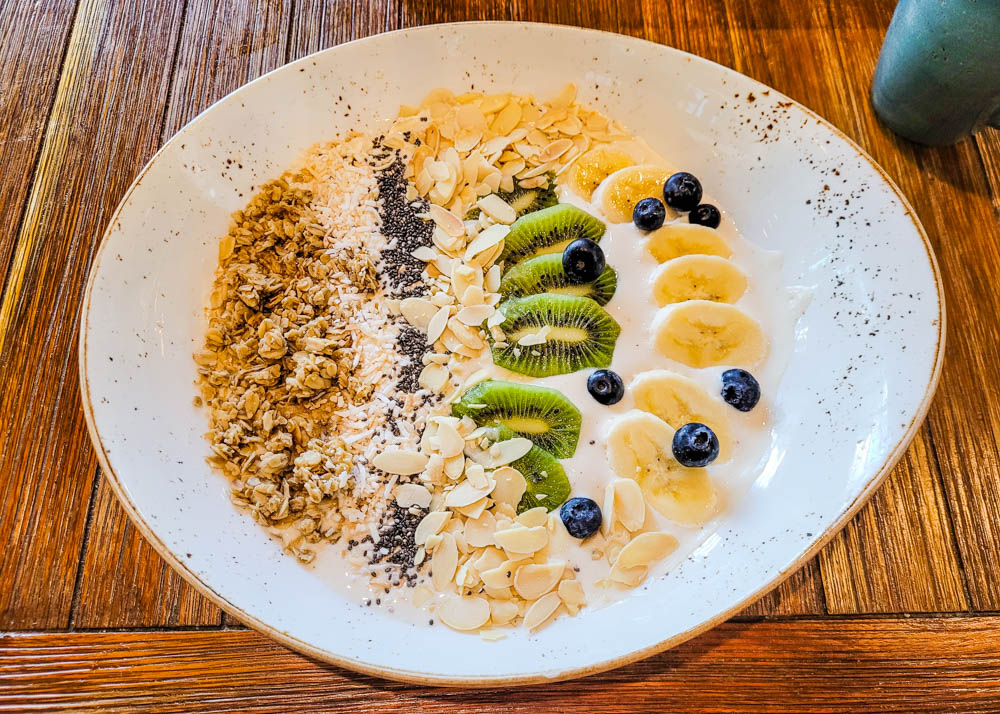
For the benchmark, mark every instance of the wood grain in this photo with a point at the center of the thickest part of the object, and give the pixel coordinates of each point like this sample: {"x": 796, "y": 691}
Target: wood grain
{"x": 950, "y": 193}
{"x": 104, "y": 124}
{"x": 892, "y": 665}
{"x": 223, "y": 45}
{"x": 32, "y": 38}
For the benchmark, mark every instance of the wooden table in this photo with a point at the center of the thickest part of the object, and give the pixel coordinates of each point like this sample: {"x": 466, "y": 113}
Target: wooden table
{"x": 901, "y": 611}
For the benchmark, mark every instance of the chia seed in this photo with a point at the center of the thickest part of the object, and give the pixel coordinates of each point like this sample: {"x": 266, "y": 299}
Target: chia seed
{"x": 400, "y": 272}
{"x": 412, "y": 344}
{"x": 397, "y": 544}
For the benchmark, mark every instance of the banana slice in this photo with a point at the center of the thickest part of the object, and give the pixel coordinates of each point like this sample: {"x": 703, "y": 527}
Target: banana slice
{"x": 678, "y": 400}
{"x": 676, "y": 239}
{"x": 700, "y": 333}
{"x": 594, "y": 166}
{"x": 626, "y": 187}
{"x": 639, "y": 449}
{"x": 698, "y": 277}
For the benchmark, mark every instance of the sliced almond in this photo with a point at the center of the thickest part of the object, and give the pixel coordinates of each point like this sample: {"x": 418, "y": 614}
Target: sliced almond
{"x": 444, "y": 562}
{"x": 464, "y": 276}
{"x": 399, "y": 461}
{"x": 627, "y": 576}
{"x": 492, "y": 282}
{"x": 422, "y": 595}
{"x": 470, "y": 117}
{"x": 608, "y": 515}
{"x": 447, "y": 221}
{"x": 501, "y": 576}
{"x": 464, "y": 494}
{"x": 498, "y": 593}
{"x": 502, "y": 611}
{"x": 522, "y": 540}
{"x": 497, "y": 209}
{"x": 539, "y": 337}
{"x": 572, "y": 596}
{"x": 630, "y": 506}
{"x": 431, "y": 524}
{"x": 464, "y": 613}
{"x": 531, "y": 581}
{"x": 507, "y": 119}
{"x": 646, "y": 549}
{"x": 466, "y": 140}
{"x": 433, "y": 377}
{"x": 417, "y": 311}
{"x": 479, "y": 531}
{"x": 541, "y": 610}
{"x": 450, "y": 442}
{"x": 510, "y": 486}
{"x": 433, "y": 541}
{"x": 475, "y": 509}
{"x": 476, "y": 475}
{"x": 537, "y": 516}
{"x": 424, "y": 253}
{"x": 488, "y": 238}
{"x": 489, "y": 557}
{"x": 504, "y": 452}
{"x": 437, "y": 324}
{"x": 492, "y": 635}
{"x": 412, "y": 494}
{"x": 475, "y": 315}
{"x": 554, "y": 150}
{"x": 454, "y": 467}
{"x": 473, "y": 296}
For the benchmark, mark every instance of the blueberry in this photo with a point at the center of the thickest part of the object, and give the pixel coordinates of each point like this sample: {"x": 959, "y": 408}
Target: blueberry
{"x": 740, "y": 389}
{"x": 648, "y": 214}
{"x": 705, "y": 214}
{"x": 695, "y": 445}
{"x": 581, "y": 516}
{"x": 682, "y": 191}
{"x": 606, "y": 386}
{"x": 583, "y": 261}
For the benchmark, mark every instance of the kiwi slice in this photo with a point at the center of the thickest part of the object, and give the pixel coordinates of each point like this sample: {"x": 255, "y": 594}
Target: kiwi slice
{"x": 545, "y": 274}
{"x": 548, "y": 231}
{"x": 545, "y": 479}
{"x": 580, "y": 335}
{"x": 541, "y": 414}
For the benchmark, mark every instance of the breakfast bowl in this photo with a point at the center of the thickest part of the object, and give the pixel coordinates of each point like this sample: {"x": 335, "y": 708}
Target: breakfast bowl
{"x": 859, "y": 360}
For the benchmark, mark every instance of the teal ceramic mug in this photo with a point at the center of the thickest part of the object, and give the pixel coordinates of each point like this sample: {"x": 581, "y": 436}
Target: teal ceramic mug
{"x": 938, "y": 76}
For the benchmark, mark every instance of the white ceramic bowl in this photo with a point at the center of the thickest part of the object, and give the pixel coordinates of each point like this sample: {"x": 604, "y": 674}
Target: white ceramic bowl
{"x": 867, "y": 354}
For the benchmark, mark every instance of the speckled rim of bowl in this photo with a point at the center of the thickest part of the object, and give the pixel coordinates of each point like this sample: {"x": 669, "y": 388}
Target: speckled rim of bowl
{"x": 420, "y": 677}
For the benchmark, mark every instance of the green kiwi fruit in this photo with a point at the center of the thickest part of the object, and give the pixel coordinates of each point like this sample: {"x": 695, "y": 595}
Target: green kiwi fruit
{"x": 581, "y": 335}
{"x": 545, "y": 479}
{"x": 526, "y": 200}
{"x": 548, "y": 231}
{"x": 545, "y": 274}
{"x": 540, "y": 414}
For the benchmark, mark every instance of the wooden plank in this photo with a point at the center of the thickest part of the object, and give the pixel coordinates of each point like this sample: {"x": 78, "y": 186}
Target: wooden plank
{"x": 318, "y": 24}
{"x": 33, "y": 36}
{"x": 950, "y": 193}
{"x": 988, "y": 144}
{"x": 104, "y": 124}
{"x": 900, "y": 549}
{"x": 800, "y": 594}
{"x": 892, "y": 665}
{"x": 859, "y": 578}
{"x": 609, "y": 15}
{"x": 124, "y": 582}
{"x": 420, "y": 13}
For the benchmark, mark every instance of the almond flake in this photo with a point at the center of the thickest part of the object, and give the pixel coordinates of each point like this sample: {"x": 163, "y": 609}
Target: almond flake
{"x": 397, "y": 461}
{"x": 473, "y": 510}
{"x": 467, "y": 140}
{"x": 497, "y": 209}
{"x": 417, "y": 311}
{"x": 464, "y": 613}
{"x": 472, "y": 296}
{"x": 630, "y": 506}
{"x": 465, "y": 494}
{"x": 521, "y": 539}
{"x": 470, "y": 117}
{"x": 492, "y": 281}
{"x": 507, "y": 119}
{"x": 479, "y": 531}
{"x": 475, "y": 315}
{"x": 541, "y": 610}
{"x": 533, "y": 517}
{"x": 454, "y": 467}
{"x": 487, "y": 239}
{"x": 476, "y": 475}
{"x": 502, "y": 611}
{"x": 571, "y": 594}
{"x": 433, "y": 377}
{"x": 412, "y": 494}
{"x": 436, "y": 325}
{"x": 444, "y": 562}
{"x": 492, "y": 635}
{"x": 425, "y": 253}
{"x": 504, "y": 452}
{"x": 450, "y": 442}
{"x": 646, "y": 549}
{"x": 468, "y": 336}
{"x": 510, "y": 486}
{"x": 536, "y": 338}
{"x": 431, "y": 524}
{"x": 608, "y": 515}
{"x": 498, "y": 577}
{"x": 627, "y": 576}
{"x": 497, "y": 318}
{"x": 531, "y": 581}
